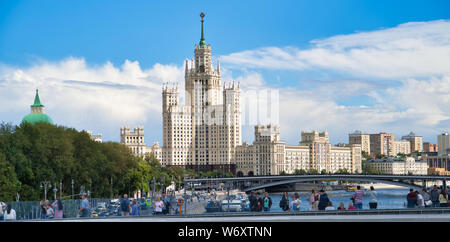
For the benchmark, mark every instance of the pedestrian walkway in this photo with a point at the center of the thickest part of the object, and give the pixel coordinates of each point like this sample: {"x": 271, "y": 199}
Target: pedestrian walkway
{"x": 281, "y": 218}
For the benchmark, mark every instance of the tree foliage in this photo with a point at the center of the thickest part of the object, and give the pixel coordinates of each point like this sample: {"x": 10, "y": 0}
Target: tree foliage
{"x": 33, "y": 153}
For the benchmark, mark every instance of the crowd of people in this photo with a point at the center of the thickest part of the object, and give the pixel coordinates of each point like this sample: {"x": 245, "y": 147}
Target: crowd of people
{"x": 320, "y": 200}
{"x": 161, "y": 206}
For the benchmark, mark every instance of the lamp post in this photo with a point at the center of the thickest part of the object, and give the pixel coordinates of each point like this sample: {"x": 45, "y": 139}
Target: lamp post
{"x": 161, "y": 189}
{"x": 148, "y": 188}
{"x": 45, "y": 185}
{"x": 55, "y": 190}
{"x": 72, "y": 188}
{"x": 60, "y": 189}
{"x": 112, "y": 193}
{"x": 154, "y": 183}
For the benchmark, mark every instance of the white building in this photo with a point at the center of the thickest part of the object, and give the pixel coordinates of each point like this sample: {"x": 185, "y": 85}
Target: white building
{"x": 397, "y": 166}
{"x": 360, "y": 138}
{"x": 402, "y": 147}
{"x": 202, "y": 134}
{"x": 96, "y": 138}
{"x": 135, "y": 141}
{"x": 270, "y": 156}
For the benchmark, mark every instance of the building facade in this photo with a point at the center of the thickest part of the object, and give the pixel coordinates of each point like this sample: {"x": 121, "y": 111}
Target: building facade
{"x": 360, "y": 138}
{"x": 437, "y": 161}
{"x": 416, "y": 142}
{"x": 268, "y": 155}
{"x": 444, "y": 143}
{"x": 396, "y": 166}
{"x": 202, "y": 134}
{"x": 134, "y": 140}
{"x": 96, "y": 138}
{"x": 382, "y": 143}
{"x": 402, "y": 147}
{"x": 429, "y": 147}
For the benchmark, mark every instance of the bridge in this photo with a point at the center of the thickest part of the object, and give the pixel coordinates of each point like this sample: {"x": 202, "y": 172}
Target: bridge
{"x": 261, "y": 182}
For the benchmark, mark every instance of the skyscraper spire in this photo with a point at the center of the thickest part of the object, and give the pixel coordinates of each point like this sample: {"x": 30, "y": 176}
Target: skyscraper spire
{"x": 202, "y": 40}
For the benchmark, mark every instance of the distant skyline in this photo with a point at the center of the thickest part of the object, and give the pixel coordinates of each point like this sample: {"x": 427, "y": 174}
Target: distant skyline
{"x": 339, "y": 66}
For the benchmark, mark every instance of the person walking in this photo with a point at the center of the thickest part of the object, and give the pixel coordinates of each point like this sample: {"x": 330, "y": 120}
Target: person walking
{"x": 434, "y": 196}
{"x": 358, "y": 197}
{"x": 314, "y": 199}
{"x": 373, "y": 198}
{"x": 443, "y": 198}
{"x": 85, "y": 208}
{"x": 9, "y": 213}
{"x": 267, "y": 202}
{"x": 125, "y": 205}
{"x": 323, "y": 200}
{"x": 411, "y": 198}
{"x": 134, "y": 209}
{"x": 284, "y": 202}
{"x": 166, "y": 202}
{"x": 426, "y": 198}
{"x": 158, "y": 206}
{"x": 420, "y": 201}
{"x": 253, "y": 201}
{"x": 58, "y": 209}
{"x": 259, "y": 202}
{"x": 43, "y": 209}
{"x": 50, "y": 211}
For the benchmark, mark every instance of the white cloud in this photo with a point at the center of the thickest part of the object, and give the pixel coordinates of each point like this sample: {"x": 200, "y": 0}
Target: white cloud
{"x": 101, "y": 97}
{"x": 417, "y": 55}
{"x": 415, "y": 105}
{"x": 414, "y": 49}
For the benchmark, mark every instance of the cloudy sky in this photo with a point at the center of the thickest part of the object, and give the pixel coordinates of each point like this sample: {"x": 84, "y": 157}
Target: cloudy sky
{"x": 337, "y": 65}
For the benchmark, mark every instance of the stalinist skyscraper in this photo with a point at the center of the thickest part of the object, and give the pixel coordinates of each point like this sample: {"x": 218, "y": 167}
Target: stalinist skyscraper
{"x": 202, "y": 134}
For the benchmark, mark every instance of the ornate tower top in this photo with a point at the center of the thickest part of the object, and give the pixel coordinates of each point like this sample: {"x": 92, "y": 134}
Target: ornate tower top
{"x": 37, "y": 101}
{"x": 202, "y": 40}
{"x": 37, "y": 112}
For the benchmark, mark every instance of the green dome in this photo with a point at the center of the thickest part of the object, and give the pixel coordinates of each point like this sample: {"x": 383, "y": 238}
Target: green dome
{"x": 37, "y": 118}
{"x": 37, "y": 114}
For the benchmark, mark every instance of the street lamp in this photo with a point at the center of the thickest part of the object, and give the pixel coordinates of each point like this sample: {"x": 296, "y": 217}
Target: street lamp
{"x": 154, "y": 183}
{"x": 112, "y": 193}
{"x": 72, "y": 188}
{"x": 45, "y": 185}
{"x": 148, "y": 188}
{"x": 55, "y": 190}
{"x": 60, "y": 189}
{"x": 161, "y": 189}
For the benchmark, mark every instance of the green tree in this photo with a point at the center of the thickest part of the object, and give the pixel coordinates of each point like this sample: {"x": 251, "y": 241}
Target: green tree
{"x": 9, "y": 184}
{"x": 300, "y": 172}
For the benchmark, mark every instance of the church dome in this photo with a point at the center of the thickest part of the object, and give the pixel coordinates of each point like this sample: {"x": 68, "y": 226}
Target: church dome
{"x": 37, "y": 118}
{"x": 37, "y": 114}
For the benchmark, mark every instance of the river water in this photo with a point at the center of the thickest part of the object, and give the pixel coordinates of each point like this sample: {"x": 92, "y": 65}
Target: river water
{"x": 387, "y": 199}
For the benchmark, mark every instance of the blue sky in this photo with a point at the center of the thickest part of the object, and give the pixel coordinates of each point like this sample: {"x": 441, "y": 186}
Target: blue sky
{"x": 38, "y": 39}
